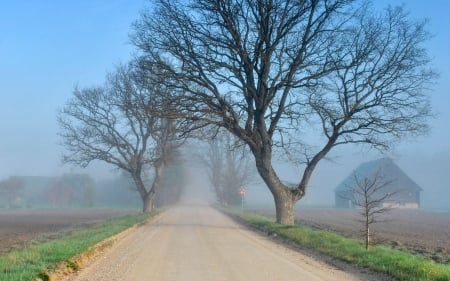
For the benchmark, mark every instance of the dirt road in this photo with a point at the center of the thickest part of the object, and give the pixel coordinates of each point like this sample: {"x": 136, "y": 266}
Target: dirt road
{"x": 196, "y": 242}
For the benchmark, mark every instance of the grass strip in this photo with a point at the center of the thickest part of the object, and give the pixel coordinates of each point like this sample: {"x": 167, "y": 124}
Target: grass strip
{"x": 400, "y": 265}
{"x": 36, "y": 260}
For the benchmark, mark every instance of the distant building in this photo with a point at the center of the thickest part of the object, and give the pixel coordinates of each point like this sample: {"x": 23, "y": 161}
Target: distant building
{"x": 407, "y": 192}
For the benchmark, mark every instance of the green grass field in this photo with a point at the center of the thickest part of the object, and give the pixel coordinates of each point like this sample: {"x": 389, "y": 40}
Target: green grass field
{"x": 37, "y": 259}
{"x": 400, "y": 265}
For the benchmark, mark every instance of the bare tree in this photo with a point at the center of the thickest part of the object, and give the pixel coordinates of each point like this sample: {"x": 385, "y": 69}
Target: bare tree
{"x": 172, "y": 184}
{"x": 280, "y": 73}
{"x": 214, "y": 163}
{"x": 371, "y": 195}
{"x": 229, "y": 167}
{"x": 121, "y": 124}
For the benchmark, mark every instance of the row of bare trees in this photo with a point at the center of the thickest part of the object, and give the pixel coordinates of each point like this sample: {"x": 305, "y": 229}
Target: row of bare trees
{"x": 229, "y": 167}
{"x": 281, "y": 76}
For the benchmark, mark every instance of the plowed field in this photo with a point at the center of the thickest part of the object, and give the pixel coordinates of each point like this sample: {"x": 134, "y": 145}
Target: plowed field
{"x": 18, "y": 227}
{"x": 422, "y": 232}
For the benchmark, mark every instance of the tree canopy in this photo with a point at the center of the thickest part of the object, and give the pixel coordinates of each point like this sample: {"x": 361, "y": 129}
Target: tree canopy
{"x": 272, "y": 72}
{"x": 121, "y": 124}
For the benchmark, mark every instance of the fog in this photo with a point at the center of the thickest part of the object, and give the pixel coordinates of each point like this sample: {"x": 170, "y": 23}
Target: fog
{"x": 197, "y": 189}
{"x": 48, "y": 47}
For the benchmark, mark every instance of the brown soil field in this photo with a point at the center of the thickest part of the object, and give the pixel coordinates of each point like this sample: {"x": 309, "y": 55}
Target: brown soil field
{"x": 418, "y": 231}
{"x": 19, "y": 227}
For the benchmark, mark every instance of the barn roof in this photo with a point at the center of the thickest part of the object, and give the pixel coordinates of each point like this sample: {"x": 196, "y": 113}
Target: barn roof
{"x": 387, "y": 169}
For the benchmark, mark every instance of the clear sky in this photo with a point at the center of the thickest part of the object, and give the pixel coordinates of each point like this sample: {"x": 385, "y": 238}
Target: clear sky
{"x": 47, "y": 47}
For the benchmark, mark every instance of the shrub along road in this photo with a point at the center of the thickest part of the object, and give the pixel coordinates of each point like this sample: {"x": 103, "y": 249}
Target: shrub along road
{"x": 197, "y": 242}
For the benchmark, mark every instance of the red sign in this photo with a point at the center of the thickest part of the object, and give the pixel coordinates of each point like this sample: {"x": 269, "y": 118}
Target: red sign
{"x": 243, "y": 191}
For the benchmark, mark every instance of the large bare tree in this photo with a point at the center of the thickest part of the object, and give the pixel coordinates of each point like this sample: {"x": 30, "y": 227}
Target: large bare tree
{"x": 121, "y": 124}
{"x": 278, "y": 73}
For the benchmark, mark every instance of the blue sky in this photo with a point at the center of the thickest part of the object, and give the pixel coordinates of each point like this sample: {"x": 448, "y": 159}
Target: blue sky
{"x": 48, "y": 47}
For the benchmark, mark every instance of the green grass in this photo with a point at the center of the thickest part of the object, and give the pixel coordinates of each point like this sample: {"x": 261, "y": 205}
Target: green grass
{"x": 400, "y": 265}
{"x": 38, "y": 259}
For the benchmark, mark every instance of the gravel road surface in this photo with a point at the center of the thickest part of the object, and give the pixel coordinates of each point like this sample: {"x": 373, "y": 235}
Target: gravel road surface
{"x": 197, "y": 242}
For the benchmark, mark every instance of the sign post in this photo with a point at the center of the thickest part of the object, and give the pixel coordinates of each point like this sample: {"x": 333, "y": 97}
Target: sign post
{"x": 243, "y": 193}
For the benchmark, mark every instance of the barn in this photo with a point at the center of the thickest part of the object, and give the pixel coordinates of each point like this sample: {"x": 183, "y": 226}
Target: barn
{"x": 407, "y": 192}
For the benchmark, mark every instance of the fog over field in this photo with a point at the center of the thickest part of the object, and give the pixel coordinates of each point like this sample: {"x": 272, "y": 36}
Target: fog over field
{"x": 49, "y": 47}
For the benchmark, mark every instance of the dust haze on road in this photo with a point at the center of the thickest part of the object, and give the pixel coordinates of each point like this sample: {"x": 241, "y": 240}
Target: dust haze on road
{"x": 197, "y": 242}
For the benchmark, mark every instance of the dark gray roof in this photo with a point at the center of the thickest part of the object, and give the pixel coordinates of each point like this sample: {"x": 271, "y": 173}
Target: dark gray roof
{"x": 387, "y": 169}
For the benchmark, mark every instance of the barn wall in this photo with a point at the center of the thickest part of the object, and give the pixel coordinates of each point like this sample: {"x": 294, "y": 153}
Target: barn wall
{"x": 397, "y": 205}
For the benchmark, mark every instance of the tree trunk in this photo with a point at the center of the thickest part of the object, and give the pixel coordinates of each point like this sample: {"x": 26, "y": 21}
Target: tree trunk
{"x": 148, "y": 203}
{"x": 283, "y": 196}
{"x": 367, "y": 236}
{"x": 146, "y": 196}
{"x": 284, "y": 205}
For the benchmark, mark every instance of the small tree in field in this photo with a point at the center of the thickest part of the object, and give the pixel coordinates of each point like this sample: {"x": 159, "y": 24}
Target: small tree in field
{"x": 370, "y": 194}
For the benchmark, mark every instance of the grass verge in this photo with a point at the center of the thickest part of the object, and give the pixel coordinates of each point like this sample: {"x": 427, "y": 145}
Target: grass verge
{"x": 400, "y": 265}
{"x": 37, "y": 260}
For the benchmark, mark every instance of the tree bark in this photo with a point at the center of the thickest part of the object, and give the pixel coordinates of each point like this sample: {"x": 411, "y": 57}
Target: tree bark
{"x": 283, "y": 196}
{"x": 284, "y": 205}
{"x": 148, "y": 202}
{"x": 367, "y": 233}
{"x": 146, "y": 196}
